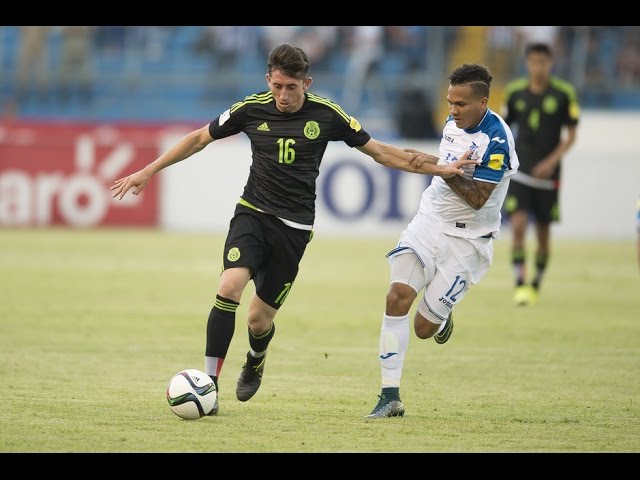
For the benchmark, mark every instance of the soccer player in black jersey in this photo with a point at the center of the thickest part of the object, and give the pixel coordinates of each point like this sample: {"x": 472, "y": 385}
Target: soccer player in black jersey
{"x": 289, "y": 128}
{"x": 543, "y": 112}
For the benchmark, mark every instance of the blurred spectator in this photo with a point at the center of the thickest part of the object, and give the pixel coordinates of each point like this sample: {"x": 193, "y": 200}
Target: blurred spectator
{"x": 272, "y": 35}
{"x": 414, "y": 112}
{"x": 628, "y": 59}
{"x": 76, "y": 64}
{"x": 503, "y": 54}
{"x": 33, "y": 62}
{"x": 411, "y": 42}
{"x": 565, "y": 52}
{"x": 318, "y": 43}
{"x": 226, "y": 44}
{"x": 537, "y": 34}
{"x": 598, "y": 82}
{"x": 155, "y": 40}
{"x": 111, "y": 40}
{"x": 366, "y": 47}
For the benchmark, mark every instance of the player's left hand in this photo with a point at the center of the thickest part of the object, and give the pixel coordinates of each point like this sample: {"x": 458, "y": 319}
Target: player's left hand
{"x": 460, "y": 167}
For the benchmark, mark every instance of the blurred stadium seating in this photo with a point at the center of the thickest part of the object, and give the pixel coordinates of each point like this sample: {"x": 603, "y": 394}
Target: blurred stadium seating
{"x": 187, "y": 73}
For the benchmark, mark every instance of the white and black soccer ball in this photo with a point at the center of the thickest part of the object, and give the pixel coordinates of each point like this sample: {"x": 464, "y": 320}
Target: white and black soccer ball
{"x": 191, "y": 394}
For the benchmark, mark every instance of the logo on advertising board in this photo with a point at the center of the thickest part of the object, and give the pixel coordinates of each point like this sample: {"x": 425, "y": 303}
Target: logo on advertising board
{"x": 60, "y": 175}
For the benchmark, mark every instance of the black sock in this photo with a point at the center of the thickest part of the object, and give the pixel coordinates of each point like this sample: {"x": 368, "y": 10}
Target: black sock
{"x": 518, "y": 262}
{"x": 260, "y": 342}
{"x": 220, "y": 327}
{"x": 541, "y": 265}
{"x": 391, "y": 392}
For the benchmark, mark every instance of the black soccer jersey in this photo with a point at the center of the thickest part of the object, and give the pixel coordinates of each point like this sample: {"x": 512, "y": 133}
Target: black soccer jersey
{"x": 287, "y": 149}
{"x": 537, "y": 120}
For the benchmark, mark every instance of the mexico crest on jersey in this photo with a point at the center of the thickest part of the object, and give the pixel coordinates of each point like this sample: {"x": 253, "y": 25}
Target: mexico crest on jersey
{"x": 311, "y": 130}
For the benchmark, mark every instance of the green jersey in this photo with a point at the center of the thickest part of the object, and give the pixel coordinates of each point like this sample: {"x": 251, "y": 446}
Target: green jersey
{"x": 287, "y": 149}
{"x": 537, "y": 120}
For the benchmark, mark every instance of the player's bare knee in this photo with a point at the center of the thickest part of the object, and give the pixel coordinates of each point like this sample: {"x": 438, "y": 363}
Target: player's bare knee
{"x": 259, "y": 323}
{"x": 399, "y": 299}
{"x": 233, "y": 282}
{"x": 260, "y": 316}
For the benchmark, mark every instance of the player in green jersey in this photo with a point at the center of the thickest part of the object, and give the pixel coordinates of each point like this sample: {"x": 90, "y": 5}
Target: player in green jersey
{"x": 543, "y": 113}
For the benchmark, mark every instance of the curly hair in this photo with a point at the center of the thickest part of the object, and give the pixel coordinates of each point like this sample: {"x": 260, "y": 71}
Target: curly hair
{"x": 475, "y": 75}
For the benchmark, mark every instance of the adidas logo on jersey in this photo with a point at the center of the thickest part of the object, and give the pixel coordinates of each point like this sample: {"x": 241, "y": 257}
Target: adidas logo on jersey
{"x": 264, "y": 127}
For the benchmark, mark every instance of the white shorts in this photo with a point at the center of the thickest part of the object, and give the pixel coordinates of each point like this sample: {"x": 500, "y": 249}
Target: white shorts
{"x": 444, "y": 265}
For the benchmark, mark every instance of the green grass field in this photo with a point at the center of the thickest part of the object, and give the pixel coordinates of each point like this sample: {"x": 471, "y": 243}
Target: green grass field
{"x": 93, "y": 324}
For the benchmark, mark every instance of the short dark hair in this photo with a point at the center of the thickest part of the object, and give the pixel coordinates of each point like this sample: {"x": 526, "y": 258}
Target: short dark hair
{"x": 290, "y": 60}
{"x": 538, "y": 48}
{"x": 475, "y": 75}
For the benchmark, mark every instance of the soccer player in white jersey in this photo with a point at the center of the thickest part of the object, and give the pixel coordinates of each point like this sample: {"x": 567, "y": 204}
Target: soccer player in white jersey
{"x": 448, "y": 246}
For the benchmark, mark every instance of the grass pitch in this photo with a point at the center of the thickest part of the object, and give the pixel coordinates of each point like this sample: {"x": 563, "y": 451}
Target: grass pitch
{"x": 93, "y": 324}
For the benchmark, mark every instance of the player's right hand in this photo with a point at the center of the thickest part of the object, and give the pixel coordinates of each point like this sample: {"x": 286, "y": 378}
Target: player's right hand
{"x": 137, "y": 180}
{"x": 420, "y": 158}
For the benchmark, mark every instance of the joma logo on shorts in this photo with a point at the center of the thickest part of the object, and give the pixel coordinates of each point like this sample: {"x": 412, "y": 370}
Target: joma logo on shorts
{"x": 446, "y": 302}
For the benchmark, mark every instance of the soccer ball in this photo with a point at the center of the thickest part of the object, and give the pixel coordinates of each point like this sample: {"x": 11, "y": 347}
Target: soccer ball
{"x": 191, "y": 394}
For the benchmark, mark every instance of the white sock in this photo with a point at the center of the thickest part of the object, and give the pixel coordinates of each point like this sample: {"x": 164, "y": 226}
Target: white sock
{"x": 213, "y": 365}
{"x": 394, "y": 341}
{"x": 441, "y": 326}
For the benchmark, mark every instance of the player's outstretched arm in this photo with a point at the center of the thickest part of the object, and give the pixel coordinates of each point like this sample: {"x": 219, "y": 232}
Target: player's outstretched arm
{"x": 410, "y": 160}
{"x": 388, "y": 155}
{"x": 429, "y": 164}
{"x": 183, "y": 149}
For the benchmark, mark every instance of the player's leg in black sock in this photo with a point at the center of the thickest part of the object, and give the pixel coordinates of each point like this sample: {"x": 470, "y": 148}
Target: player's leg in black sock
{"x": 260, "y": 341}
{"x": 518, "y": 261}
{"x": 220, "y": 328}
{"x": 541, "y": 266}
{"x": 253, "y": 368}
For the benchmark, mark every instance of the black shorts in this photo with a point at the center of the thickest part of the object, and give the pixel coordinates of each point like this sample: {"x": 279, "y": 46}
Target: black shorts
{"x": 269, "y": 248}
{"x": 542, "y": 203}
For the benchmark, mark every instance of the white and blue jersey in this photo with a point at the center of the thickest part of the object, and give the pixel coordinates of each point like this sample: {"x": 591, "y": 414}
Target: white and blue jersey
{"x": 492, "y": 141}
